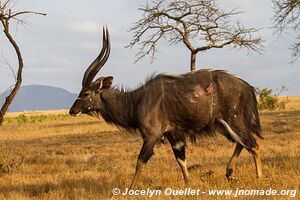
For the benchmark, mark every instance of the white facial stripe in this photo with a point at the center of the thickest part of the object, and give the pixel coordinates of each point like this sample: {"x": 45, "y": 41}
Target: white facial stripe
{"x": 78, "y": 98}
{"x": 77, "y": 114}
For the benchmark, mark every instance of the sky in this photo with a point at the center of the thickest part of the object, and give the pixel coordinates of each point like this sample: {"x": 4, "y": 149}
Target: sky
{"x": 57, "y": 48}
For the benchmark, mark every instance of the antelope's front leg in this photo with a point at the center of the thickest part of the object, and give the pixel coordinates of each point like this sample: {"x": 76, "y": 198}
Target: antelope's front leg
{"x": 144, "y": 156}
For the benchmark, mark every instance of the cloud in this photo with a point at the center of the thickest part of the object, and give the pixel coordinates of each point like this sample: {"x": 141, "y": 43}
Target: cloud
{"x": 58, "y": 48}
{"x": 86, "y": 27}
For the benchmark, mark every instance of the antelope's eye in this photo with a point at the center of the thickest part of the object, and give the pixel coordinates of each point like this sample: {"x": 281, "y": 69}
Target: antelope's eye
{"x": 86, "y": 94}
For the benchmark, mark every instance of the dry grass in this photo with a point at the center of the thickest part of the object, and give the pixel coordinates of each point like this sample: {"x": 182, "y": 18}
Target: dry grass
{"x": 62, "y": 157}
{"x": 293, "y": 102}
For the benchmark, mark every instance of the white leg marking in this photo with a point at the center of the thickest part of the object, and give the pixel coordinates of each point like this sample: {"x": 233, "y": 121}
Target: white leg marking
{"x": 178, "y": 146}
{"x": 184, "y": 170}
{"x": 181, "y": 162}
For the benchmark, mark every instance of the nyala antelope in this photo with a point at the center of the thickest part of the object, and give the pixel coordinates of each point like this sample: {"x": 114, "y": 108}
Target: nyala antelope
{"x": 177, "y": 108}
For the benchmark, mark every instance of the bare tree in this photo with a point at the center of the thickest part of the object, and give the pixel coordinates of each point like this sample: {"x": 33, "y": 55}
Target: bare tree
{"x": 200, "y": 24}
{"x": 6, "y": 16}
{"x": 287, "y": 16}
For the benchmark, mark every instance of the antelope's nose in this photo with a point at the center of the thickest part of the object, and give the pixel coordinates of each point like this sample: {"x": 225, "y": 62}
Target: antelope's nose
{"x": 72, "y": 112}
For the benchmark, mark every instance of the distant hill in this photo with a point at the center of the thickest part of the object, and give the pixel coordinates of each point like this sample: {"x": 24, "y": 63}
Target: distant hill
{"x": 39, "y": 97}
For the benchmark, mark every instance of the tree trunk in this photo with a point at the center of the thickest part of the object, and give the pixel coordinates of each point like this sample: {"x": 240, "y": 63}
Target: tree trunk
{"x": 193, "y": 61}
{"x": 8, "y": 100}
{"x": 1, "y": 119}
{"x": 11, "y": 96}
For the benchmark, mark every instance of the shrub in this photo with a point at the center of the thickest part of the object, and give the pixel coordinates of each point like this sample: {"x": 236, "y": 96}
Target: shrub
{"x": 22, "y": 119}
{"x": 38, "y": 118}
{"x": 268, "y": 100}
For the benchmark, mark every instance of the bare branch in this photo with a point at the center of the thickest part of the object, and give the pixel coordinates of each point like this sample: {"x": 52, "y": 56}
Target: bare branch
{"x": 7, "y": 63}
{"x": 199, "y": 24}
{"x": 7, "y": 14}
{"x": 287, "y": 16}
{"x": 14, "y": 15}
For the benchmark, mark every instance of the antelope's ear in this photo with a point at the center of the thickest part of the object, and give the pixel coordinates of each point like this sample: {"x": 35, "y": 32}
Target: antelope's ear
{"x": 106, "y": 82}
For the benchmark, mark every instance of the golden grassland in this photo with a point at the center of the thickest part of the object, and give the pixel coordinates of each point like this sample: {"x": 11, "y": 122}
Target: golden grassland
{"x": 50, "y": 155}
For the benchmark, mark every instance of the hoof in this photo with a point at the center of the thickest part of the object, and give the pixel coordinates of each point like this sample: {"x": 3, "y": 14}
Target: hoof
{"x": 231, "y": 179}
{"x": 187, "y": 182}
{"x": 263, "y": 178}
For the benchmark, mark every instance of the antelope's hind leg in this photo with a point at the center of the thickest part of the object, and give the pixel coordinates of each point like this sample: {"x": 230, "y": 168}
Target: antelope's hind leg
{"x": 178, "y": 147}
{"x": 227, "y": 131}
{"x": 257, "y": 159}
{"x": 229, "y": 169}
